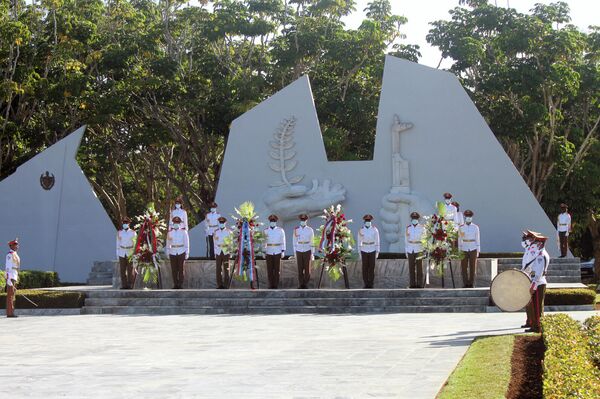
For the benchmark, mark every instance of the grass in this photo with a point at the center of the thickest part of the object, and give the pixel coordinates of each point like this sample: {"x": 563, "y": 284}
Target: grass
{"x": 484, "y": 371}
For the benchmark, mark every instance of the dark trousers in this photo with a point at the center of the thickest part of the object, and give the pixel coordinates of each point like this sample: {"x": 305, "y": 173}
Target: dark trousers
{"x": 273, "y": 270}
{"x": 127, "y": 273}
{"x": 177, "y": 262}
{"x": 368, "y": 268}
{"x": 10, "y": 300}
{"x": 468, "y": 267}
{"x": 303, "y": 260}
{"x": 535, "y": 308}
{"x": 211, "y": 247}
{"x": 415, "y": 270}
{"x": 564, "y": 243}
{"x": 222, "y": 270}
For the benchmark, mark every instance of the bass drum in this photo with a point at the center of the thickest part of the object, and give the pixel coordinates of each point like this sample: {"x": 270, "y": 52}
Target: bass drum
{"x": 510, "y": 290}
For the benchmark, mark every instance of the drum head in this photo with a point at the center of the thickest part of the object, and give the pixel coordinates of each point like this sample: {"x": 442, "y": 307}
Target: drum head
{"x": 510, "y": 290}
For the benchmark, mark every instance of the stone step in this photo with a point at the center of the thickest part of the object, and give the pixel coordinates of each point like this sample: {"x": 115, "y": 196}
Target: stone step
{"x": 551, "y": 267}
{"x": 553, "y": 261}
{"x": 564, "y": 279}
{"x": 166, "y": 310}
{"x": 101, "y": 275}
{"x": 284, "y": 302}
{"x": 96, "y": 282}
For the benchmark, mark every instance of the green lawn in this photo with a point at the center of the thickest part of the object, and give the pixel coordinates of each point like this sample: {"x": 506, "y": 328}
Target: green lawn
{"x": 484, "y": 371}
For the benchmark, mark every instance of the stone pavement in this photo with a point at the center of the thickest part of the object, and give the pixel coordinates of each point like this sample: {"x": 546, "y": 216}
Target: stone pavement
{"x": 277, "y": 356}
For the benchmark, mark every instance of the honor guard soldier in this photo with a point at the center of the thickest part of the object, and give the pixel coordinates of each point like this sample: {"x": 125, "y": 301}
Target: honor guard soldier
{"x": 304, "y": 250}
{"x": 460, "y": 217}
{"x": 126, "y": 239}
{"x": 221, "y": 256}
{"x": 535, "y": 263}
{"x": 368, "y": 245}
{"x": 13, "y": 263}
{"x": 451, "y": 210}
{"x": 178, "y": 210}
{"x": 563, "y": 227}
{"x": 414, "y": 249}
{"x": 274, "y": 250}
{"x": 178, "y": 247}
{"x": 211, "y": 222}
{"x": 469, "y": 243}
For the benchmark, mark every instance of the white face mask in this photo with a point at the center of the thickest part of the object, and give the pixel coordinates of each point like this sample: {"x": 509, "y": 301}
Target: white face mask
{"x": 367, "y": 224}
{"x": 125, "y": 226}
{"x": 303, "y": 223}
{"x": 415, "y": 222}
{"x": 176, "y": 226}
{"x": 273, "y": 224}
{"x": 177, "y": 206}
{"x": 468, "y": 219}
{"x": 222, "y": 225}
{"x": 213, "y": 209}
{"x": 447, "y": 201}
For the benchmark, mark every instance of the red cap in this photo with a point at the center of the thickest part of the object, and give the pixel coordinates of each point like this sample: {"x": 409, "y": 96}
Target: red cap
{"x": 13, "y": 242}
{"x": 447, "y": 195}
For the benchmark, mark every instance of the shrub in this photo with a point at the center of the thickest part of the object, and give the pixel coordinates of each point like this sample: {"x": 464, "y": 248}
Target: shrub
{"x": 37, "y": 279}
{"x": 570, "y": 296}
{"x": 46, "y": 299}
{"x": 593, "y": 330}
{"x": 568, "y": 369}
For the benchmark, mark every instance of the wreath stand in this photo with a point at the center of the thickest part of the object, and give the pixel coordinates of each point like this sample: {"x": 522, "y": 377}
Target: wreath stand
{"x": 451, "y": 274}
{"x": 344, "y": 273}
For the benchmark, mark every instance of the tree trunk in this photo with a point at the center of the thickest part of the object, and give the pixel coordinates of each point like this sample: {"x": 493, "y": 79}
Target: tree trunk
{"x": 594, "y": 228}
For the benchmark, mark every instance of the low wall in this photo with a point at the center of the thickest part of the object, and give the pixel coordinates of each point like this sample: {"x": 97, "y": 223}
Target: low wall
{"x": 389, "y": 273}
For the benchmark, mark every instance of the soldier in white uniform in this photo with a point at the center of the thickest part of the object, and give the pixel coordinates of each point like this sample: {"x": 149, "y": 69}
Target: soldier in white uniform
{"x": 368, "y": 246}
{"x": 126, "y": 239}
{"x": 414, "y": 248}
{"x": 470, "y": 244}
{"x": 13, "y": 263}
{"x": 451, "y": 210}
{"x": 563, "y": 228}
{"x": 211, "y": 223}
{"x": 221, "y": 254}
{"x": 178, "y": 248}
{"x": 536, "y": 267}
{"x": 274, "y": 250}
{"x": 178, "y": 210}
{"x": 304, "y": 250}
{"x": 460, "y": 217}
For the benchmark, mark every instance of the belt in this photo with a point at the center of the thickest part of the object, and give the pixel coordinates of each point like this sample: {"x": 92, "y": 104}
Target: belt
{"x": 212, "y": 225}
{"x": 468, "y": 240}
{"x": 563, "y": 224}
{"x": 129, "y": 247}
{"x": 273, "y": 245}
{"x": 414, "y": 242}
{"x": 368, "y": 243}
{"x": 176, "y": 246}
{"x": 303, "y": 242}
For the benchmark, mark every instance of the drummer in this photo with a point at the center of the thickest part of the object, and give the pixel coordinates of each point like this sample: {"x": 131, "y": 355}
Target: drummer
{"x": 535, "y": 263}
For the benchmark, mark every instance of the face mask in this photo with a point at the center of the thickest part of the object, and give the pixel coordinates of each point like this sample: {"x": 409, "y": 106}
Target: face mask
{"x": 447, "y": 201}
{"x": 273, "y": 224}
{"x": 524, "y": 244}
{"x": 367, "y": 224}
{"x": 303, "y": 223}
{"x": 177, "y": 206}
{"x": 176, "y": 226}
{"x": 222, "y": 225}
{"x": 468, "y": 219}
{"x": 213, "y": 209}
{"x": 415, "y": 222}
{"x": 125, "y": 227}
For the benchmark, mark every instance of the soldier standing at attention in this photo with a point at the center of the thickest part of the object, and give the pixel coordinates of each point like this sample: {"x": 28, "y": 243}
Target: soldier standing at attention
{"x": 536, "y": 267}
{"x": 211, "y": 222}
{"x": 274, "y": 250}
{"x": 178, "y": 210}
{"x": 451, "y": 210}
{"x": 469, "y": 243}
{"x": 563, "y": 227}
{"x": 368, "y": 245}
{"x": 126, "y": 239}
{"x": 303, "y": 248}
{"x": 413, "y": 248}
{"x": 178, "y": 247}
{"x": 13, "y": 263}
{"x": 222, "y": 257}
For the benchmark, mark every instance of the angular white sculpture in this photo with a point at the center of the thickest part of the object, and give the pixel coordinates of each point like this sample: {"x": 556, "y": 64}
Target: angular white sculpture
{"x": 49, "y": 204}
{"x": 446, "y": 146}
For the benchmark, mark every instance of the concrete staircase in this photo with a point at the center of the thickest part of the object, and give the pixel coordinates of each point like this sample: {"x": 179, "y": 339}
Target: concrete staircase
{"x": 560, "y": 270}
{"x": 101, "y": 274}
{"x": 166, "y": 302}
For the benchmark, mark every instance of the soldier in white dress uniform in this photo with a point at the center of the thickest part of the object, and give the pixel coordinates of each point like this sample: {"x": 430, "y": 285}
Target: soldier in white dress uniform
{"x": 451, "y": 210}
{"x": 304, "y": 250}
{"x": 536, "y": 266}
{"x": 178, "y": 248}
{"x": 178, "y": 210}
{"x": 211, "y": 223}
{"x": 563, "y": 228}
{"x": 274, "y": 250}
{"x": 13, "y": 263}
{"x": 221, "y": 254}
{"x": 469, "y": 243}
{"x": 368, "y": 246}
{"x": 414, "y": 249}
{"x": 126, "y": 239}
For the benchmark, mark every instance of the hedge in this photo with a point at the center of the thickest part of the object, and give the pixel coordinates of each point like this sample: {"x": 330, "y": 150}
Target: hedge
{"x": 569, "y": 371}
{"x": 593, "y": 330}
{"x": 46, "y": 299}
{"x": 37, "y": 279}
{"x": 570, "y": 296}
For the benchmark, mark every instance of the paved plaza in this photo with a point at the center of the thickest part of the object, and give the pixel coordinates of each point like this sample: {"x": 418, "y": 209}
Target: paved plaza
{"x": 283, "y": 356}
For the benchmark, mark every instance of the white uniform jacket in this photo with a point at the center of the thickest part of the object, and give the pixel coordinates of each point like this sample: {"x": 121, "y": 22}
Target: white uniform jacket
{"x": 13, "y": 263}
{"x": 211, "y": 222}
{"x": 182, "y": 215}
{"x": 303, "y": 239}
{"x": 125, "y": 243}
{"x": 274, "y": 240}
{"x": 539, "y": 267}
{"x": 563, "y": 223}
{"x": 178, "y": 242}
{"x": 412, "y": 239}
{"x": 219, "y": 236}
{"x": 468, "y": 238}
{"x": 368, "y": 239}
{"x": 452, "y": 214}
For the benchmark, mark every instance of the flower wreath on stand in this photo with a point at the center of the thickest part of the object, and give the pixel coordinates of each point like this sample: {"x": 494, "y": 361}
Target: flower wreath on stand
{"x": 439, "y": 237}
{"x": 334, "y": 241}
{"x": 149, "y": 245}
{"x": 245, "y": 242}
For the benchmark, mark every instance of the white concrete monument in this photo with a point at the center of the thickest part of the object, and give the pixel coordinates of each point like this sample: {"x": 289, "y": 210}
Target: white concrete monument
{"x": 430, "y": 139}
{"x": 50, "y": 206}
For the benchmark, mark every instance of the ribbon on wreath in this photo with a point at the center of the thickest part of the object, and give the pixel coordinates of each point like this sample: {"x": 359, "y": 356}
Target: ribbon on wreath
{"x": 328, "y": 239}
{"x": 245, "y": 241}
{"x": 147, "y": 231}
